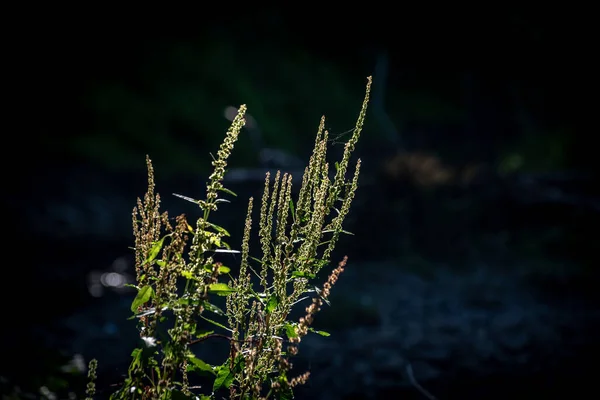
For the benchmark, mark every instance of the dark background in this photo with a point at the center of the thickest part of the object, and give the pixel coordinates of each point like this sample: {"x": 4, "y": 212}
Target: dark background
{"x": 477, "y": 161}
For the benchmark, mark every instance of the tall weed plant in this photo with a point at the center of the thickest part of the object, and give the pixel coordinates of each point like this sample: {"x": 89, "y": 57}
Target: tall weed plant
{"x": 179, "y": 276}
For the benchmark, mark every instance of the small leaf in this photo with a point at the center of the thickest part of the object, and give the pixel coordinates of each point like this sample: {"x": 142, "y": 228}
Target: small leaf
{"x": 155, "y": 250}
{"x": 215, "y": 323}
{"x": 299, "y": 274}
{"x": 290, "y": 331}
{"x": 184, "y": 301}
{"x": 161, "y": 263}
{"x": 201, "y": 334}
{"x": 218, "y": 228}
{"x": 145, "y": 294}
{"x": 272, "y": 304}
{"x": 322, "y": 333}
{"x": 228, "y": 191}
{"x": 292, "y": 211}
{"x": 188, "y": 275}
{"x": 212, "y": 308}
{"x": 200, "y": 365}
{"x": 220, "y": 289}
{"x": 224, "y": 270}
{"x": 256, "y": 259}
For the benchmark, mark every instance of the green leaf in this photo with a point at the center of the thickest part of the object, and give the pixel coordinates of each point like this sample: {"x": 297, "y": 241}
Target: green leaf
{"x": 145, "y": 294}
{"x": 201, "y": 334}
{"x": 214, "y": 239}
{"x": 225, "y": 375}
{"x": 161, "y": 263}
{"x": 155, "y": 250}
{"x": 299, "y": 274}
{"x": 228, "y": 191}
{"x": 218, "y": 228}
{"x": 212, "y": 308}
{"x": 322, "y": 333}
{"x": 256, "y": 259}
{"x": 199, "y": 365}
{"x": 220, "y": 289}
{"x": 290, "y": 331}
{"x": 224, "y": 379}
{"x": 272, "y": 304}
{"x": 136, "y": 363}
{"x": 215, "y": 323}
{"x": 184, "y": 301}
{"x": 292, "y": 211}
{"x": 222, "y": 269}
{"x": 188, "y": 275}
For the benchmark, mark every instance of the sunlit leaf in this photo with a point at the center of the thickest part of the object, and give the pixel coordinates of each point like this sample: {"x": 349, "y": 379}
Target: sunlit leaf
{"x": 300, "y": 274}
{"x": 220, "y": 289}
{"x": 145, "y": 294}
{"x": 272, "y": 304}
{"x": 290, "y": 331}
{"x": 322, "y": 333}
{"x": 155, "y": 250}
{"x": 218, "y": 228}
{"x": 188, "y": 275}
{"x": 224, "y": 378}
{"x": 222, "y": 269}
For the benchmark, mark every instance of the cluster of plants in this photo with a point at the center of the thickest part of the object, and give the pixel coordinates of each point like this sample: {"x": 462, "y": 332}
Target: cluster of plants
{"x": 179, "y": 281}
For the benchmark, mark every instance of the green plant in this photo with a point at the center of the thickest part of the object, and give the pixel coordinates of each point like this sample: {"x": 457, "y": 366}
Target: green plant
{"x": 175, "y": 292}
